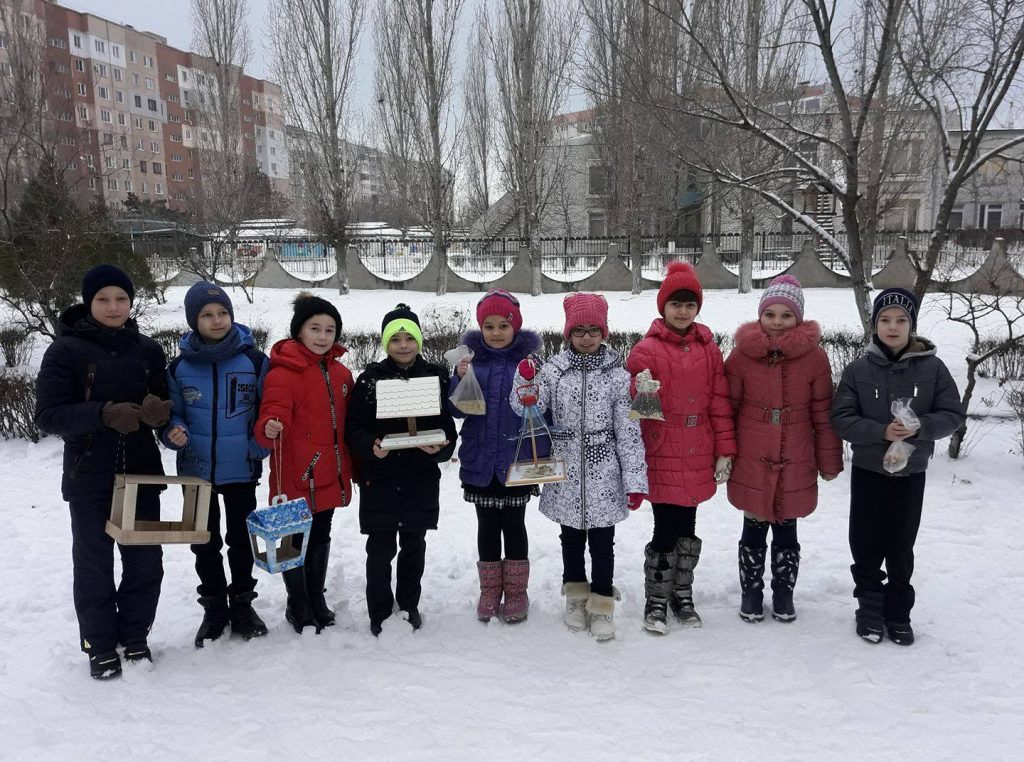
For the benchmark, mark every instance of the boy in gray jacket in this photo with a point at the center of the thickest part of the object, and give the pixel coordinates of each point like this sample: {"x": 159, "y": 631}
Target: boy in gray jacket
{"x": 885, "y": 508}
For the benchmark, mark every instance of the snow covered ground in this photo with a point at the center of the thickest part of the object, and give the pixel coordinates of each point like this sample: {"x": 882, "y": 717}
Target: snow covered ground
{"x": 459, "y": 689}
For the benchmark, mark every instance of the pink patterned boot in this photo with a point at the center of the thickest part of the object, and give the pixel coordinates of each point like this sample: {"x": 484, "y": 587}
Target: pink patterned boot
{"x": 517, "y": 602}
{"x": 490, "y": 589}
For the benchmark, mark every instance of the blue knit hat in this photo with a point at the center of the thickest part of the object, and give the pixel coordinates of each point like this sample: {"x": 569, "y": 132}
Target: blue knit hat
{"x": 201, "y": 294}
{"x": 899, "y": 298}
{"x": 102, "y": 276}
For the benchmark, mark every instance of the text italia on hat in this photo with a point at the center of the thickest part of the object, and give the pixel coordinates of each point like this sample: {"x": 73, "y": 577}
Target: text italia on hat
{"x": 895, "y": 297}
{"x": 786, "y": 291}
{"x": 585, "y": 309}
{"x": 680, "y": 277}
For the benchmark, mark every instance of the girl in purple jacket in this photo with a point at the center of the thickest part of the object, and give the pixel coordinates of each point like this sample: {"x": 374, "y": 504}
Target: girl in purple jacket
{"x": 487, "y": 450}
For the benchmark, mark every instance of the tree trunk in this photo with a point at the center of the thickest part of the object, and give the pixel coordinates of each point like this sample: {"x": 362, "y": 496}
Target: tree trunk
{"x": 636, "y": 260}
{"x": 747, "y": 244}
{"x": 957, "y": 440}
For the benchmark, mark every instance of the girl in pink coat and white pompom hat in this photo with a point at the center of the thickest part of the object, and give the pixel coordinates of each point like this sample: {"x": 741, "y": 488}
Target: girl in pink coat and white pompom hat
{"x": 780, "y": 386}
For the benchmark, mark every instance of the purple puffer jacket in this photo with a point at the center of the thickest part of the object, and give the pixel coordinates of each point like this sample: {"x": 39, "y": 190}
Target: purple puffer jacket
{"x": 489, "y": 441}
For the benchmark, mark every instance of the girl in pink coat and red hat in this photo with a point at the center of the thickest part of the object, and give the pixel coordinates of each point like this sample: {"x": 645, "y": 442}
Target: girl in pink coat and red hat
{"x": 688, "y": 453}
{"x": 780, "y": 385}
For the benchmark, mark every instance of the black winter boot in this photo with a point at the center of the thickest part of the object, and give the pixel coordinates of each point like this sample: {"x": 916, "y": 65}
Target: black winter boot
{"x": 244, "y": 619}
{"x": 751, "y": 561}
{"x": 869, "y": 616}
{"x": 900, "y": 633}
{"x": 215, "y": 618}
{"x": 105, "y": 666}
{"x": 297, "y": 611}
{"x": 681, "y": 601}
{"x": 316, "y": 576}
{"x": 659, "y": 576}
{"x": 785, "y": 567}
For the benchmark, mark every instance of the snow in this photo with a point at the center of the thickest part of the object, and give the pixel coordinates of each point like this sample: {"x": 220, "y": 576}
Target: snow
{"x": 459, "y": 689}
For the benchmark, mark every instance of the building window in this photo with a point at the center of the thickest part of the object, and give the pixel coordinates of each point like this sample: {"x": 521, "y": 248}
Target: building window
{"x": 105, "y": 116}
{"x": 598, "y": 181}
{"x": 157, "y": 168}
{"x": 56, "y": 42}
{"x": 152, "y": 126}
{"x": 598, "y": 225}
{"x": 63, "y": 68}
{"x": 83, "y": 112}
{"x": 144, "y": 188}
{"x": 104, "y": 92}
{"x": 990, "y": 216}
{"x": 111, "y": 184}
{"x": 158, "y": 189}
{"x": 169, "y": 77}
{"x": 137, "y": 121}
{"x": 128, "y": 186}
{"x": 133, "y": 56}
{"x": 138, "y": 101}
{"x": 147, "y": 61}
{"x": 150, "y": 84}
{"x": 151, "y": 104}
{"x": 109, "y": 161}
{"x": 155, "y": 146}
{"x": 89, "y": 161}
{"x": 92, "y": 183}
{"x": 81, "y": 88}
{"x": 956, "y": 218}
{"x": 124, "y": 144}
{"x": 100, "y": 69}
{"x": 909, "y": 157}
{"x": 101, "y": 46}
{"x": 175, "y": 157}
{"x": 118, "y": 74}
{"x": 142, "y": 166}
{"x": 76, "y": 39}
{"x": 135, "y": 79}
{"x": 119, "y": 96}
{"x": 79, "y": 65}
{"x": 126, "y": 164}
{"x": 108, "y": 139}
{"x": 175, "y": 138}
{"x": 140, "y": 145}
{"x": 191, "y": 173}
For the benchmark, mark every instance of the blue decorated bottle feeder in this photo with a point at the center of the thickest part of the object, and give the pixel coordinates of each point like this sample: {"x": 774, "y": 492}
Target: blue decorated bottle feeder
{"x": 276, "y": 524}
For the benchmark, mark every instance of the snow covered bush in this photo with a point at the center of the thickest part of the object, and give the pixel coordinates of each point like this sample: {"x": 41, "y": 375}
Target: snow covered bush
{"x": 18, "y": 406}
{"x": 15, "y": 344}
{"x": 842, "y": 348}
{"x": 1005, "y": 364}
{"x": 260, "y": 335}
{"x": 363, "y": 348}
{"x": 168, "y": 338}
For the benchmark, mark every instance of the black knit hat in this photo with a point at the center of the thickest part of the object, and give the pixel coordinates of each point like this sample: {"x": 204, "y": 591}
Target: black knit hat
{"x": 102, "y": 276}
{"x": 201, "y": 294}
{"x": 306, "y": 306}
{"x": 401, "y": 312}
{"x": 895, "y": 297}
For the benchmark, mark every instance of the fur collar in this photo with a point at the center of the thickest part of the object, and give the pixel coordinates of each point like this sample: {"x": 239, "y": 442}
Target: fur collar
{"x": 752, "y": 341}
{"x": 523, "y": 343}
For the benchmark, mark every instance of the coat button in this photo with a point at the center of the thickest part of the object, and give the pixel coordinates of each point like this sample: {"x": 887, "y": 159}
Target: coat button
{"x": 691, "y": 399}
{"x": 691, "y": 450}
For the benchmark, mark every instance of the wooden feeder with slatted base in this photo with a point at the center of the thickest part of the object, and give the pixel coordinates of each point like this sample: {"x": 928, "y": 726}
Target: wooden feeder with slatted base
{"x": 192, "y": 529}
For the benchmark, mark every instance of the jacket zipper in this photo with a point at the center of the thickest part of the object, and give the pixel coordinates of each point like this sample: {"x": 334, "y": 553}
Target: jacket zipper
{"x": 334, "y": 427}
{"x": 213, "y": 428}
{"x": 583, "y": 452}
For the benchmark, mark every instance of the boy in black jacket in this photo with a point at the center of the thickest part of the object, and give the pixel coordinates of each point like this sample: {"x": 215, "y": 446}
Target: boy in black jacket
{"x": 399, "y": 490}
{"x": 102, "y": 387}
{"x": 885, "y": 509}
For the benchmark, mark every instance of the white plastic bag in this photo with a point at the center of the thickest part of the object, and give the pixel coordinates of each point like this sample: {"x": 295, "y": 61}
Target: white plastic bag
{"x": 646, "y": 404}
{"x": 468, "y": 397}
{"x": 898, "y": 454}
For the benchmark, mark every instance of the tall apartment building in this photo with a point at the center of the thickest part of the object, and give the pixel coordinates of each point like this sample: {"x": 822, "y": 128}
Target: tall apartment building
{"x": 125, "y": 101}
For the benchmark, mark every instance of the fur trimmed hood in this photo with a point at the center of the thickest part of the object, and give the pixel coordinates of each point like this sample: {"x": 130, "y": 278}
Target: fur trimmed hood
{"x": 752, "y": 340}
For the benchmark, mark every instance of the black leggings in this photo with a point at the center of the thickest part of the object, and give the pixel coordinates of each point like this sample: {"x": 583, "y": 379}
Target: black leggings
{"x": 670, "y": 523}
{"x": 602, "y": 557}
{"x": 493, "y": 524}
{"x": 320, "y": 532}
{"x": 755, "y": 533}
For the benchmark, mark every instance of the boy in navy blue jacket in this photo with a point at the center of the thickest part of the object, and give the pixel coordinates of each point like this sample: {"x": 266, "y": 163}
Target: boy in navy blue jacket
{"x": 216, "y": 384}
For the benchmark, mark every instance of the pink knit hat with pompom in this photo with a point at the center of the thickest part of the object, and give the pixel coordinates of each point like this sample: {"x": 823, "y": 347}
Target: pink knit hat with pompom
{"x": 784, "y": 290}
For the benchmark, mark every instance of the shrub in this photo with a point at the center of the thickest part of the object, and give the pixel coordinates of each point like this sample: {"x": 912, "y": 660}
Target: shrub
{"x": 1016, "y": 399}
{"x": 16, "y": 345}
{"x": 168, "y": 338}
{"x": 1004, "y": 366}
{"x": 260, "y": 335}
{"x": 363, "y": 348}
{"x": 842, "y": 348}
{"x": 18, "y": 407}
{"x": 443, "y": 327}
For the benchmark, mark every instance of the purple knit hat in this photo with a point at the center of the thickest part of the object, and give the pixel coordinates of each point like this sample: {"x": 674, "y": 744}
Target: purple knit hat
{"x": 784, "y": 290}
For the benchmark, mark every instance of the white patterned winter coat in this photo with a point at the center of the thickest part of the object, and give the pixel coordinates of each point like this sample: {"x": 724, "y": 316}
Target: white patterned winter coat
{"x": 588, "y": 399}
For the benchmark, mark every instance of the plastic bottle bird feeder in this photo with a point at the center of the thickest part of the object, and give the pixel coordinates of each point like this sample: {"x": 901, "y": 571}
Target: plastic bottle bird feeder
{"x": 409, "y": 399}
{"x": 276, "y": 524}
{"x": 535, "y": 469}
{"x": 127, "y": 530}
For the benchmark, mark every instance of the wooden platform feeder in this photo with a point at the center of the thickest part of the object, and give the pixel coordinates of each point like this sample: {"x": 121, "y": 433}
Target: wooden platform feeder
{"x": 276, "y": 524}
{"x": 535, "y": 469}
{"x": 409, "y": 399}
{"x": 192, "y": 529}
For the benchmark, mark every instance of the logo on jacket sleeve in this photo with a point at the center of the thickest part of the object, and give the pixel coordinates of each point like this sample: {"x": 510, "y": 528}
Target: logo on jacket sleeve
{"x": 191, "y": 394}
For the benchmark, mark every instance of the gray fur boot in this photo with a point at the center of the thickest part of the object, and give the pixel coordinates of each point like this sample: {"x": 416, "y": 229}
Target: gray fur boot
{"x": 659, "y": 577}
{"x": 687, "y": 557}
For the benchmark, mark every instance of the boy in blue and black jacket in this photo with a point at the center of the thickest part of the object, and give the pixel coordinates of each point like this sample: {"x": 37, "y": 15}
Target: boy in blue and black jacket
{"x": 216, "y": 384}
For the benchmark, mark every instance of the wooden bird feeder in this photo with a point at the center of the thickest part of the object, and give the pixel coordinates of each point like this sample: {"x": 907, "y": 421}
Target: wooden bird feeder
{"x": 409, "y": 399}
{"x": 127, "y": 530}
{"x": 537, "y": 469}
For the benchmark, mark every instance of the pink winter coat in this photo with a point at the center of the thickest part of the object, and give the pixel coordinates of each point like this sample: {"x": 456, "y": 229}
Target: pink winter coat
{"x": 781, "y": 391}
{"x": 698, "y": 426}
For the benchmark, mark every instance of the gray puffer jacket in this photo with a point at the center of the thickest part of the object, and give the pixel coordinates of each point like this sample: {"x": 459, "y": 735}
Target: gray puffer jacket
{"x": 588, "y": 398}
{"x": 861, "y": 405}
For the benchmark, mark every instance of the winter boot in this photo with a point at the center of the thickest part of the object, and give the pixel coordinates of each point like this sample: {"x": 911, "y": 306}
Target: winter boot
{"x": 244, "y": 619}
{"x": 297, "y": 610}
{"x": 659, "y": 577}
{"x": 490, "y": 589}
{"x": 687, "y": 556}
{"x": 785, "y": 567}
{"x": 900, "y": 633}
{"x": 412, "y": 616}
{"x": 135, "y": 653}
{"x": 515, "y": 580}
{"x": 105, "y": 666}
{"x": 869, "y": 616}
{"x": 316, "y": 577}
{"x": 752, "y": 582}
{"x": 576, "y": 594}
{"x": 600, "y": 612}
{"x": 215, "y": 618}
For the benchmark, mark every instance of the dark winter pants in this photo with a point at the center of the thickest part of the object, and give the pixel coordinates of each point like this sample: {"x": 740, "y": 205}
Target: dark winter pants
{"x": 109, "y": 614}
{"x": 239, "y": 502}
{"x": 381, "y": 547}
{"x": 885, "y": 513}
{"x": 492, "y": 524}
{"x": 320, "y": 532}
{"x": 602, "y": 557}
{"x": 755, "y": 533}
{"x": 670, "y": 523}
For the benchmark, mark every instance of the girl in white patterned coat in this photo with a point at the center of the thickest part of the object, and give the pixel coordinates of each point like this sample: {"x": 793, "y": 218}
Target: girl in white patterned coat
{"x": 586, "y": 391}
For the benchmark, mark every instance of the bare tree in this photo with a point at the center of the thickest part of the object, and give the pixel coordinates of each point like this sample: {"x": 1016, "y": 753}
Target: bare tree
{"x": 317, "y": 78}
{"x": 532, "y": 45}
{"x": 478, "y": 126}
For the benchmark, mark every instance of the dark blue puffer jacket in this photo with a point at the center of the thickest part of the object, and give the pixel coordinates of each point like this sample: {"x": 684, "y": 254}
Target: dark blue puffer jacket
{"x": 83, "y": 369}
{"x": 216, "y": 391}
{"x": 489, "y": 441}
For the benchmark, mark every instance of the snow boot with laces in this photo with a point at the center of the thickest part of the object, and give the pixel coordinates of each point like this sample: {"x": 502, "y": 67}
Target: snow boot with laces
{"x": 576, "y": 594}
{"x": 785, "y": 567}
{"x": 687, "y": 556}
{"x": 659, "y": 578}
{"x": 751, "y": 563}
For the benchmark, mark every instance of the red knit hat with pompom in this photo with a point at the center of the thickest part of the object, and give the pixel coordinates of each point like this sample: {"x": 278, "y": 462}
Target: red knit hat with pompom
{"x": 680, "y": 277}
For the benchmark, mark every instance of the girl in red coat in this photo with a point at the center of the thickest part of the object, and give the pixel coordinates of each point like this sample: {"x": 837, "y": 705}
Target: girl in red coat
{"x": 690, "y": 451}
{"x": 780, "y": 385}
{"x": 302, "y": 420}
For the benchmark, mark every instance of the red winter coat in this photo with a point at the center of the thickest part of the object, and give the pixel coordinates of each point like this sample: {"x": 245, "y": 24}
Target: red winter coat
{"x": 296, "y": 392}
{"x": 781, "y": 390}
{"x": 698, "y": 426}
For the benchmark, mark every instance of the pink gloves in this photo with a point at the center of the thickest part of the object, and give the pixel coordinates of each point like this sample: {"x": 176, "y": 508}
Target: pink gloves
{"x": 633, "y": 500}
